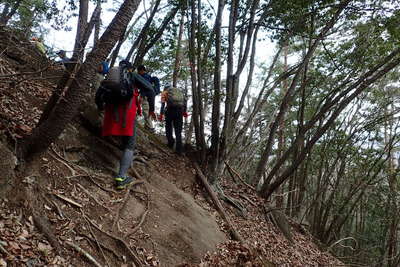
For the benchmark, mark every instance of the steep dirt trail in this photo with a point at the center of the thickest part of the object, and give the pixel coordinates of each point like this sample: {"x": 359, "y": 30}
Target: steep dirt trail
{"x": 165, "y": 220}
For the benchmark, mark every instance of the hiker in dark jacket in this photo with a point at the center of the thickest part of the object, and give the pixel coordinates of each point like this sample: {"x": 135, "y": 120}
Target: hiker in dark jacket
{"x": 173, "y": 105}
{"x": 154, "y": 81}
{"x": 120, "y": 119}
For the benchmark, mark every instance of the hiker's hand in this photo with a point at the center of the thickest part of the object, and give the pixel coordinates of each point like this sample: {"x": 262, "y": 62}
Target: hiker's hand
{"x": 153, "y": 116}
{"x": 139, "y": 111}
{"x": 161, "y": 117}
{"x": 185, "y": 114}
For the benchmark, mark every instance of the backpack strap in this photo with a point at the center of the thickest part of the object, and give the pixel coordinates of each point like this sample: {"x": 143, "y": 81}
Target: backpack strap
{"x": 116, "y": 113}
{"x": 129, "y": 105}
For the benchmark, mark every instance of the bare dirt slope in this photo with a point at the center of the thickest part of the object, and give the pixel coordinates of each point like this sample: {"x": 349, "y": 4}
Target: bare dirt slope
{"x": 78, "y": 219}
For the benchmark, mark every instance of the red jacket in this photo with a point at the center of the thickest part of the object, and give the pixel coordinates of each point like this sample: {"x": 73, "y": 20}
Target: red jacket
{"x": 120, "y": 120}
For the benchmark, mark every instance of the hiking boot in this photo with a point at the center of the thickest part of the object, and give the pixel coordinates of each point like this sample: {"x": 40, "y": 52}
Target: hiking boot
{"x": 122, "y": 182}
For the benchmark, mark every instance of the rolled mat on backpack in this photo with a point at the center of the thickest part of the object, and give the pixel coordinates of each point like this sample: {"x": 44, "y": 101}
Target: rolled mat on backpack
{"x": 141, "y": 82}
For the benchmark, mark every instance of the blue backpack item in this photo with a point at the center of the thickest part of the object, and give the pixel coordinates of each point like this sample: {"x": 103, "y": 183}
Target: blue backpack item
{"x": 105, "y": 68}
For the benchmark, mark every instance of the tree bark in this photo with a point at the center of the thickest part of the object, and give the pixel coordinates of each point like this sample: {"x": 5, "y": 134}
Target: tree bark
{"x": 82, "y": 24}
{"x": 143, "y": 33}
{"x": 178, "y": 55}
{"x": 97, "y": 25}
{"x": 8, "y": 14}
{"x": 291, "y": 90}
{"x": 47, "y": 132}
{"x": 216, "y": 112}
{"x": 146, "y": 45}
{"x": 358, "y": 86}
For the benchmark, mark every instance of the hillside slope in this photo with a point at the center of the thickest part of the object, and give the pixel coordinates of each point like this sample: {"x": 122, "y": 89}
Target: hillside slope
{"x": 165, "y": 219}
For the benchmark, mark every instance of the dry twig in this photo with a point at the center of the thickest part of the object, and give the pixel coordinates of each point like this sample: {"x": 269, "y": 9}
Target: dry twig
{"x": 70, "y": 201}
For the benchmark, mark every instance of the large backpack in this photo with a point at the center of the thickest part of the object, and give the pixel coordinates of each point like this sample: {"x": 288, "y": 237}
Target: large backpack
{"x": 118, "y": 85}
{"x": 175, "y": 97}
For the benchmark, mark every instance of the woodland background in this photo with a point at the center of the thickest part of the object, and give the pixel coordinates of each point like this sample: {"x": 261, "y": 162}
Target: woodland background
{"x": 315, "y": 127}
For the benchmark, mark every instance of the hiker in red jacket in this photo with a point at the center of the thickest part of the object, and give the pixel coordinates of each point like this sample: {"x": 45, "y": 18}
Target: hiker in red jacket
{"x": 118, "y": 95}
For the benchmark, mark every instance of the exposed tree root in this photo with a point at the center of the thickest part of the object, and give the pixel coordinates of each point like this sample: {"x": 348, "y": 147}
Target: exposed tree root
{"x": 122, "y": 206}
{"x": 44, "y": 226}
{"x": 248, "y": 199}
{"x": 94, "y": 240}
{"x": 84, "y": 253}
{"x": 217, "y": 203}
{"x": 232, "y": 171}
{"x": 143, "y": 217}
{"x": 120, "y": 241}
{"x": 280, "y": 221}
{"x": 92, "y": 196}
{"x": 231, "y": 201}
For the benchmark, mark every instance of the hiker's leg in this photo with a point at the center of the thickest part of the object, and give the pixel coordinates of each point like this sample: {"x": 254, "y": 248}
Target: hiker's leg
{"x": 128, "y": 153}
{"x": 168, "y": 129}
{"x": 178, "y": 123}
{"x": 148, "y": 123}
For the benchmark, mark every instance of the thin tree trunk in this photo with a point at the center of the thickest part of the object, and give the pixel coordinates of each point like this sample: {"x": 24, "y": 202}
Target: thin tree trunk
{"x": 377, "y": 72}
{"x": 178, "y": 55}
{"x": 82, "y": 24}
{"x": 143, "y": 33}
{"x": 291, "y": 90}
{"x": 97, "y": 24}
{"x": 200, "y": 143}
{"x": 116, "y": 50}
{"x": 281, "y": 125}
{"x": 230, "y": 77}
{"x": 146, "y": 45}
{"x": 215, "y": 117}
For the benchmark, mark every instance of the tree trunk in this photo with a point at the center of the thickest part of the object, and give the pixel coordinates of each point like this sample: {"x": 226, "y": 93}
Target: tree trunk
{"x": 80, "y": 30}
{"x": 70, "y": 68}
{"x": 291, "y": 91}
{"x": 97, "y": 25}
{"x": 281, "y": 128}
{"x": 146, "y": 45}
{"x": 341, "y": 101}
{"x": 178, "y": 55}
{"x": 47, "y": 132}
{"x": 116, "y": 50}
{"x": 8, "y": 14}
{"x": 143, "y": 33}
{"x": 197, "y": 102}
{"x": 215, "y": 117}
